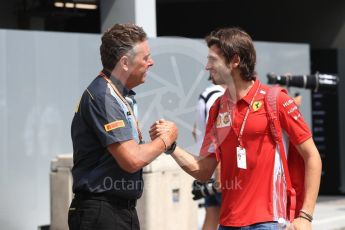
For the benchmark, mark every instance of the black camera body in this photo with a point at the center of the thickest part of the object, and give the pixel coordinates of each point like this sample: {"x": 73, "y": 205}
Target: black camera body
{"x": 204, "y": 189}
{"x": 317, "y": 82}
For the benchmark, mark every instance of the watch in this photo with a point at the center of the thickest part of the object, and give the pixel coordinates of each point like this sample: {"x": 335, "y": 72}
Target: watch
{"x": 171, "y": 149}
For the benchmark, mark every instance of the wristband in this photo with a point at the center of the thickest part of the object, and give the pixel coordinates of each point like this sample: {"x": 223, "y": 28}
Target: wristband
{"x": 304, "y": 217}
{"x": 171, "y": 149}
{"x": 306, "y": 214}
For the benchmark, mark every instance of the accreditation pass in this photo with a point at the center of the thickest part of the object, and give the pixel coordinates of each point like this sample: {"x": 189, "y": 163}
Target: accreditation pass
{"x": 241, "y": 157}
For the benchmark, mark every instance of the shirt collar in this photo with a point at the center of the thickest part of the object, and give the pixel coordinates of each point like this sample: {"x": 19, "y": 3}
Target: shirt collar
{"x": 122, "y": 89}
{"x": 247, "y": 98}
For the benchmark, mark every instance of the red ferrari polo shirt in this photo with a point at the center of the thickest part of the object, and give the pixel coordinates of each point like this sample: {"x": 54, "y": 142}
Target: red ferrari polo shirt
{"x": 257, "y": 193}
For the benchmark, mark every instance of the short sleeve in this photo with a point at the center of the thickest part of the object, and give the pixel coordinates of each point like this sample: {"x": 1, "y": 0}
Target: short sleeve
{"x": 292, "y": 120}
{"x": 106, "y": 117}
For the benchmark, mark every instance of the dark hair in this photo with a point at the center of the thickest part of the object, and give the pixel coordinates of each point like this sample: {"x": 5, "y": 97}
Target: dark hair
{"x": 117, "y": 41}
{"x": 232, "y": 41}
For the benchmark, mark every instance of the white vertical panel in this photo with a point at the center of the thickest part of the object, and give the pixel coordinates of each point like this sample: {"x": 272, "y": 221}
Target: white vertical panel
{"x": 142, "y": 13}
{"x": 42, "y": 76}
{"x": 145, "y": 16}
{"x": 3, "y": 108}
{"x": 21, "y": 98}
{"x": 119, "y": 11}
{"x": 56, "y": 67}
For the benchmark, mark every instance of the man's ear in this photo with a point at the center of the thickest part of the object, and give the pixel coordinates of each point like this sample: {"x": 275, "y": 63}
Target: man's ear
{"x": 124, "y": 62}
{"x": 235, "y": 61}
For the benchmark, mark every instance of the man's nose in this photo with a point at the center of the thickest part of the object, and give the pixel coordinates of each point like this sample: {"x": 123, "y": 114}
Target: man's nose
{"x": 151, "y": 62}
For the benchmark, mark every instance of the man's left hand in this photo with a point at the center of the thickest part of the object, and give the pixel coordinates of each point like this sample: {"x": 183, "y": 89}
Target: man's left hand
{"x": 300, "y": 224}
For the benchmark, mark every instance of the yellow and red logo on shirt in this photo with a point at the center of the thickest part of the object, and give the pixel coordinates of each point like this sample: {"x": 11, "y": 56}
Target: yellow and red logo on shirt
{"x": 257, "y": 105}
{"x": 114, "y": 125}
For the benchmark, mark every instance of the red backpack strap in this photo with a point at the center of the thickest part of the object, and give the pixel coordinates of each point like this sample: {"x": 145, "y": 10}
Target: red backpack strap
{"x": 276, "y": 130}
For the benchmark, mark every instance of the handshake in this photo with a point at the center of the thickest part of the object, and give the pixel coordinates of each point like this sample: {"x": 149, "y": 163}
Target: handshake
{"x": 166, "y": 131}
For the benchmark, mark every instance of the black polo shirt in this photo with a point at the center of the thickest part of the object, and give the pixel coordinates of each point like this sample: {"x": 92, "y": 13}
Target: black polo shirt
{"x": 102, "y": 119}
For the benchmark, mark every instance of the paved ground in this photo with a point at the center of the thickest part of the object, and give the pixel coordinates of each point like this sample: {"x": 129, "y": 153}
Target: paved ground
{"x": 329, "y": 213}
